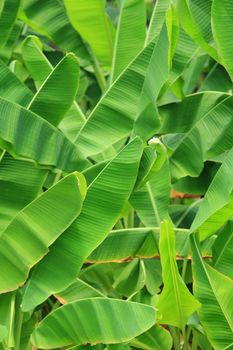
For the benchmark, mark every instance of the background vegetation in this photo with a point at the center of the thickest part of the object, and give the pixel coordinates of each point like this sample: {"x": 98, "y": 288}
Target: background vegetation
{"x": 116, "y": 174}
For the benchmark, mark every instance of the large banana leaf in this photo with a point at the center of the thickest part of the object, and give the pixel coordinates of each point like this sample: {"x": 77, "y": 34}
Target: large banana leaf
{"x": 222, "y": 21}
{"x": 57, "y": 93}
{"x": 115, "y": 114}
{"x": 12, "y": 88}
{"x": 195, "y": 19}
{"x": 217, "y": 79}
{"x": 91, "y": 21}
{"x": 8, "y": 47}
{"x": 8, "y": 16}
{"x": 131, "y": 33}
{"x": 51, "y": 20}
{"x": 106, "y": 197}
{"x": 40, "y": 68}
{"x": 157, "y": 19}
{"x": 96, "y": 321}
{"x": 35, "y": 61}
{"x": 159, "y": 64}
{"x": 62, "y": 153}
{"x": 27, "y": 238}
{"x": 181, "y": 117}
{"x": 201, "y": 13}
{"x": 202, "y": 141}
{"x": 223, "y": 250}
{"x": 156, "y": 338}
{"x": 175, "y": 295}
{"x": 186, "y": 49}
{"x": 20, "y": 183}
{"x": 217, "y": 205}
{"x": 214, "y": 290}
{"x": 142, "y": 242}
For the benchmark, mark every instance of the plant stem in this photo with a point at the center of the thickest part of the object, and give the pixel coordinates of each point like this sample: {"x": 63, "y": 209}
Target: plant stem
{"x": 194, "y": 341}
{"x": 10, "y": 341}
{"x": 131, "y": 219}
{"x": 184, "y": 268}
{"x": 18, "y": 330}
{"x": 185, "y": 346}
{"x": 175, "y": 337}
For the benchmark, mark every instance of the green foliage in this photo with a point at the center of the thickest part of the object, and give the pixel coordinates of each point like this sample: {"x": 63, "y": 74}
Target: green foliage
{"x": 116, "y": 185}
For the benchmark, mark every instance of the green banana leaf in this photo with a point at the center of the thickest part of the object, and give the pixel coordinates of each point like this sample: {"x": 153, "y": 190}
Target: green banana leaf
{"x": 159, "y": 64}
{"x": 175, "y": 295}
{"x": 125, "y": 244}
{"x": 152, "y": 200}
{"x": 155, "y": 338}
{"x": 193, "y": 74}
{"x": 57, "y": 93}
{"x": 27, "y": 238}
{"x": 79, "y": 289}
{"x": 7, "y": 304}
{"x": 214, "y": 290}
{"x": 223, "y": 250}
{"x": 20, "y": 183}
{"x": 8, "y": 47}
{"x": 12, "y": 88}
{"x": 202, "y": 141}
{"x": 35, "y": 61}
{"x": 153, "y": 158}
{"x": 42, "y": 19}
{"x": 157, "y": 19}
{"x": 19, "y": 70}
{"x": 101, "y": 277}
{"x": 188, "y": 112}
{"x": 122, "y": 100}
{"x": 106, "y": 197}
{"x": 186, "y": 49}
{"x": 40, "y": 68}
{"x": 222, "y": 16}
{"x": 130, "y": 36}
{"x": 195, "y": 19}
{"x": 62, "y": 154}
{"x": 96, "y": 321}
{"x": 91, "y": 21}
{"x": 8, "y": 16}
{"x": 217, "y": 79}
{"x": 131, "y": 279}
{"x": 217, "y": 205}
{"x": 173, "y": 28}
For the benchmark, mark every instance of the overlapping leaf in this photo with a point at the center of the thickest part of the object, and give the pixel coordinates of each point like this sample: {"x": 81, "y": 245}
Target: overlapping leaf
{"x": 60, "y": 152}
{"x": 214, "y": 290}
{"x": 209, "y": 136}
{"x": 26, "y": 239}
{"x": 101, "y": 320}
{"x": 131, "y": 33}
{"x": 122, "y": 99}
{"x": 51, "y": 20}
{"x": 106, "y": 197}
{"x": 216, "y": 207}
{"x": 20, "y": 183}
{"x": 91, "y": 21}
{"x": 57, "y": 93}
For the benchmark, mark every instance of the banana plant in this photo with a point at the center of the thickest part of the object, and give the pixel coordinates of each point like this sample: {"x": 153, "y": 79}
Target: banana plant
{"x": 116, "y": 185}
